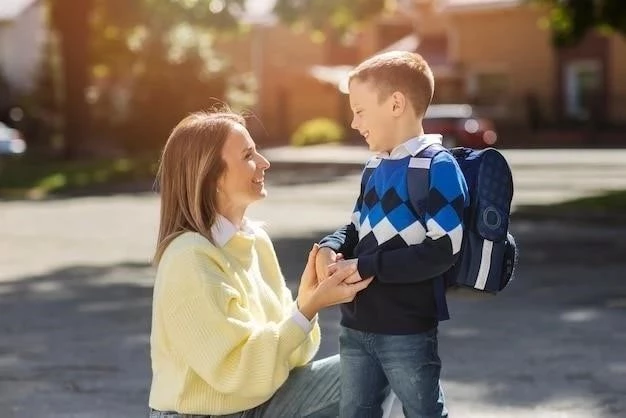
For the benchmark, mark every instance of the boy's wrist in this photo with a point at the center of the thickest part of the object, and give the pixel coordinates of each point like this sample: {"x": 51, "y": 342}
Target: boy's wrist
{"x": 366, "y": 265}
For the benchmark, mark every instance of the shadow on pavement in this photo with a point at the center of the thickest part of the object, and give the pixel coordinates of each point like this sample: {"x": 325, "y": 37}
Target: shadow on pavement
{"x": 75, "y": 340}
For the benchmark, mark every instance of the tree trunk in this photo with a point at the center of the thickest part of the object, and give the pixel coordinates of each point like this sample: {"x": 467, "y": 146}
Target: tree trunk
{"x": 71, "y": 19}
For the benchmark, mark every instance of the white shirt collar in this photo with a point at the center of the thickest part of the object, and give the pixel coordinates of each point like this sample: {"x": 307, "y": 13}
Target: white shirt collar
{"x": 411, "y": 147}
{"x": 223, "y": 229}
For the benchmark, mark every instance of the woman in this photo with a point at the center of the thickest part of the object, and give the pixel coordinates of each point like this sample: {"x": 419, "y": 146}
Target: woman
{"x": 227, "y": 337}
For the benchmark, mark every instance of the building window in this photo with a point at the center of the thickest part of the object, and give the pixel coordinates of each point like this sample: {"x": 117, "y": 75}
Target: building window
{"x": 489, "y": 88}
{"x": 583, "y": 80}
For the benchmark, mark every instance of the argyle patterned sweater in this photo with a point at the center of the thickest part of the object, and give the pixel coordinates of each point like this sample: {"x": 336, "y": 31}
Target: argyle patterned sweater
{"x": 405, "y": 253}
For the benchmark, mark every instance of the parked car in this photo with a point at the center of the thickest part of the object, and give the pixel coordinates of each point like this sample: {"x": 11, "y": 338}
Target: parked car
{"x": 460, "y": 125}
{"x": 11, "y": 141}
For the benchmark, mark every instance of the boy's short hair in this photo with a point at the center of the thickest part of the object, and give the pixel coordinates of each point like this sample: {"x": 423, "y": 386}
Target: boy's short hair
{"x": 403, "y": 71}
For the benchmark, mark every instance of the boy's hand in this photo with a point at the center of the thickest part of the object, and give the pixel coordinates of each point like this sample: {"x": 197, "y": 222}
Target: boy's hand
{"x": 314, "y": 295}
{"x": 345, "y": 264}
{"x": 324, "y": 258}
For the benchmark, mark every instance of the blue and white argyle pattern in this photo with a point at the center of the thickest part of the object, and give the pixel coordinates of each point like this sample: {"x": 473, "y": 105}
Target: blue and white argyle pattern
{"x": 384, "y": 213}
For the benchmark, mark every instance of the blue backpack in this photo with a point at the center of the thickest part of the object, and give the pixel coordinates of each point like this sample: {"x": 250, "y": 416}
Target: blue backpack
{"x": 488, "y": 255}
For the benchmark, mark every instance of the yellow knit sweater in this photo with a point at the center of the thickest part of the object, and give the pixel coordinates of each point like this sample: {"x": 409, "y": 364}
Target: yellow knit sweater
{"x": 223, "y": 338}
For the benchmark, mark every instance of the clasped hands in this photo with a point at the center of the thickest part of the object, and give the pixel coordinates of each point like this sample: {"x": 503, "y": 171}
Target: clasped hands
{"x": 328, "y": 280}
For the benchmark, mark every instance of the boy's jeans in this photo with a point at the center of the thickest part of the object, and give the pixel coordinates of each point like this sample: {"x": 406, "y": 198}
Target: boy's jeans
{"x": 372, "y": 364}
{"x": 311, "y": 391}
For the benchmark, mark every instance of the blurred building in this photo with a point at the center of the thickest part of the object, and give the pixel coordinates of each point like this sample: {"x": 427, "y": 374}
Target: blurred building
{"x": 22, "y": 36}
{"x": 493, "y": 54}
{"x": 508, "y": 63}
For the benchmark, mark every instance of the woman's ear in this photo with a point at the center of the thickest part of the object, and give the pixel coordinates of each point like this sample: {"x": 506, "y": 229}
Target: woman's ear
{"x": 219, "y": 184}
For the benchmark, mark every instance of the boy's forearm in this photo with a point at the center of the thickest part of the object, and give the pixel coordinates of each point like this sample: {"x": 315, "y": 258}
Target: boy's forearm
{"x": 343, "y": 240}
{"x": 416, "y": 263}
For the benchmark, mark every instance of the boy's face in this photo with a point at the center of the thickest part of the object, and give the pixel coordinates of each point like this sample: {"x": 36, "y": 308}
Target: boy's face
{"x": 373, "y": 118}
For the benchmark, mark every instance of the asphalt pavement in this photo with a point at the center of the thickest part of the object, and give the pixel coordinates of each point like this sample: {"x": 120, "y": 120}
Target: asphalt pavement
{"x": 75, "y": 294}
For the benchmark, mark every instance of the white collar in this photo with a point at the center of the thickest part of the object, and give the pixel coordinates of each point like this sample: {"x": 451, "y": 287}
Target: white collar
{"x": 223, "y": 230}
{"x": 411, "y": 147}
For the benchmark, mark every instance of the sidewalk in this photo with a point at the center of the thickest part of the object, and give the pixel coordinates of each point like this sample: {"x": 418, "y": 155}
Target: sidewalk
{"x": 542, "y": 177}
{"x": 355, "y": 156}
{"x": 287, "y": 157}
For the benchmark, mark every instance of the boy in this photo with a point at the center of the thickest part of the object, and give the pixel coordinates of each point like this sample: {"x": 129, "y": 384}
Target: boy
{"x": 388, "y": 336}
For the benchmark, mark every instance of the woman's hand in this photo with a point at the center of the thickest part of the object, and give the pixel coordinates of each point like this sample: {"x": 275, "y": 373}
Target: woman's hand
{"x": 340, "y": 287}
{"x": 324, "y": 258}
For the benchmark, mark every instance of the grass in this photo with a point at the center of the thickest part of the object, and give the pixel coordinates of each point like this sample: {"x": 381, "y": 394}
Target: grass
{"x": 31, "y": 178}
{"x": 614, "y": 201}
{"x": 599, "y": 207}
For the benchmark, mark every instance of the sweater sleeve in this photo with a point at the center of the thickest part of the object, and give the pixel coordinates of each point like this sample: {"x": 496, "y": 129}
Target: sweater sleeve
{"x": 210, "y": 325}
{"x": 307, "y": 350}
{"x": 447, "y": 198}
{"x": 343, "y": 240}
{"x": 273, "y": 275}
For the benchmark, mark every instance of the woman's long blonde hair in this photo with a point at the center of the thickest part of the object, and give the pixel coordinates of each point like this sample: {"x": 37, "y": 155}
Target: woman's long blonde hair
{"x": 190, "y": 166}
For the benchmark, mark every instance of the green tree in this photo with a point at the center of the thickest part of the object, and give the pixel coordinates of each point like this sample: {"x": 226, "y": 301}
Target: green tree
{"x": 91, "y": 29}
{"x": 338, "y": 15}
{"x": 570, "y": 20}
{"x": 161, "y": 53}
{"x": 108, "y": 37}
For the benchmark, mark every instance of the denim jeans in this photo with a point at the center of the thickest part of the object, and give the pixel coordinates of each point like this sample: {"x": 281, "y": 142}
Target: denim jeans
{"x": 311, "y": 391}
{"x": 374, "y": 364}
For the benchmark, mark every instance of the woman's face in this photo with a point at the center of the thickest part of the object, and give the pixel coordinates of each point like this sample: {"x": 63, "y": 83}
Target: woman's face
{"x": 243, "y": 180}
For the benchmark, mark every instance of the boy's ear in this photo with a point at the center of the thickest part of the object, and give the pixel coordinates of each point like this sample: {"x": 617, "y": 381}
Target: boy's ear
{"x": 398, "y": 103}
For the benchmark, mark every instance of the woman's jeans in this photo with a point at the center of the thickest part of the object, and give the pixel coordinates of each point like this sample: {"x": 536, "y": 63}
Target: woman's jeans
{"x": 374, "y": 364}
{"x": 311, "y": 391}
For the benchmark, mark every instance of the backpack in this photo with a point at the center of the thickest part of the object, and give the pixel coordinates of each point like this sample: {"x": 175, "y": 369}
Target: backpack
{"x": 488, "y": 254}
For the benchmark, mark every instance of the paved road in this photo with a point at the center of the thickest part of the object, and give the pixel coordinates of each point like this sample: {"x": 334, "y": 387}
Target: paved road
{"x": 75, "y": 303}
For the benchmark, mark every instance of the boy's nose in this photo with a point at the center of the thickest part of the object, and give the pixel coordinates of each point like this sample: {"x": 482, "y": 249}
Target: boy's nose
{"x": 264, "y": 162}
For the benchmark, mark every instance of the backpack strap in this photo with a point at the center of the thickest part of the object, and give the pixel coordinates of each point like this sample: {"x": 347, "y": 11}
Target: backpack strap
{"x": 370, "y": 166}
{"x": 418, "y": 178}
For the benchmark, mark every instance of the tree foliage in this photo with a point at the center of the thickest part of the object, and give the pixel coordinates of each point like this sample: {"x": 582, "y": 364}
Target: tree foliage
{"x": 163, "y": 50}
{"x": 571, "y": 20}
{"x": 339, "y": 15}
{"x": 160, "y": 49}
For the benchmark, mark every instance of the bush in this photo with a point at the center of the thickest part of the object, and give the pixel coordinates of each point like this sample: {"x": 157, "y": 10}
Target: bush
{"x": 26, "y": 177}
{"x": 318, "y": 131}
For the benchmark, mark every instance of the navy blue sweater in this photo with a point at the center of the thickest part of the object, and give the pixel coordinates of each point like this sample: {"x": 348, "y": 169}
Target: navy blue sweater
{"x": 406, "y": 253}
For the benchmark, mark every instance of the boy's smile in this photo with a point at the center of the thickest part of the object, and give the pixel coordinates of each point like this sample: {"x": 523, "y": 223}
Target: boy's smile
{"x": 373, "y": 118}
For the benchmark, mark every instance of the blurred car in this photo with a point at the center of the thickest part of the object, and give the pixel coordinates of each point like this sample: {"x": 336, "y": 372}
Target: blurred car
{"x": 460, "y": 126}
{"x": 11, "y": 141}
